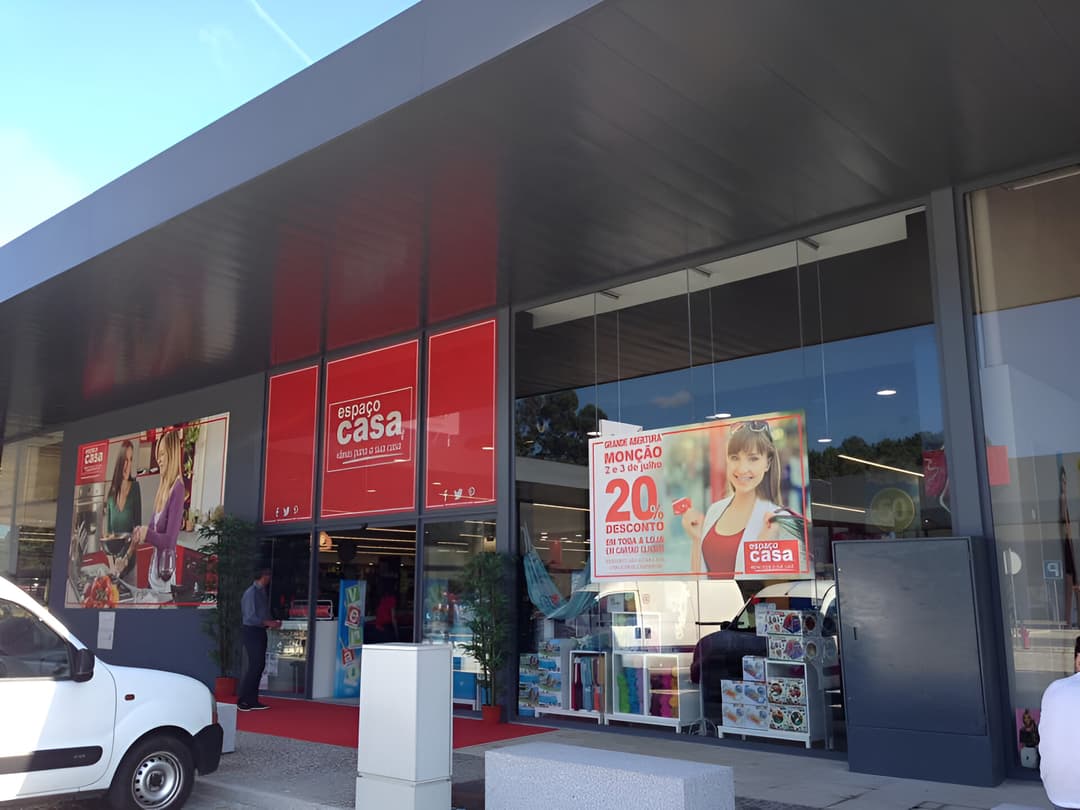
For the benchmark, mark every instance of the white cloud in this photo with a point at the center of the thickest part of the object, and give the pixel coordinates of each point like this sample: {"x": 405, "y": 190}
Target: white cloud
{"x": 676, "y": 400}
{"x": 218, "y": 39}
{"x": 35, "y": 186}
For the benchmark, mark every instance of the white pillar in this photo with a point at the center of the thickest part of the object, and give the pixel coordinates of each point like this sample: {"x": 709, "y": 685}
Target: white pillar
{"x": 405, "y": 749}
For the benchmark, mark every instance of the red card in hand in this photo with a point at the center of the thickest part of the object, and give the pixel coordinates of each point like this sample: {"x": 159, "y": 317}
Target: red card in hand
{"x": 681, "y": 506}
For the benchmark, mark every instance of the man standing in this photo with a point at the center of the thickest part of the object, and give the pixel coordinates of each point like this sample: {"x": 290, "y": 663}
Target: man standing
{"x": 255, "y": 606}
{"x": 1059, "y": 737}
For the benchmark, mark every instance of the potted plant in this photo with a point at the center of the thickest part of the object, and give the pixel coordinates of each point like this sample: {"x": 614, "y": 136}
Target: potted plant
{"x": 228, "y": 546}
{"x": 487, "y": 605}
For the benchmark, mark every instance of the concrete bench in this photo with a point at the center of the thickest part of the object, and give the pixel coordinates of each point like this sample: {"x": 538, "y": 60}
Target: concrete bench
{"x": 549, "y": 776}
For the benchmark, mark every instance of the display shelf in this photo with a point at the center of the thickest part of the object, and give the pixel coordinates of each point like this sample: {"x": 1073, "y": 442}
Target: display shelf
{"x": 788, "y": 702}
{"x": 654, "y": 688}
{"x": 584, "y": 682}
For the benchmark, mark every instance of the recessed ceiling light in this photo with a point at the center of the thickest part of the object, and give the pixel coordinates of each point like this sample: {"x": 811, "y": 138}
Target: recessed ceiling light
{"x": 487, "y": 447}
{"x": 719, "y": 416}
{"x": 371, "y": 490}
{"x": 594, "y": 433}
{"x": 887, "y": 392}
{"x": 824, "y": 440}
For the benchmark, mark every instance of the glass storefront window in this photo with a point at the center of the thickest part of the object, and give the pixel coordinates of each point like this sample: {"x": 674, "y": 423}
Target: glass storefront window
{"x": 1024, "y": 247}
{"x": 835, "y": 330}
{"x": 287, "y": 649}
{"x": 29, "y": 484}
{"x": 447, "y": 545}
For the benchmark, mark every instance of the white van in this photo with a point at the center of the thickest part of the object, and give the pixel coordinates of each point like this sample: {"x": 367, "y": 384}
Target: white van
{"x": 73, "y": 725}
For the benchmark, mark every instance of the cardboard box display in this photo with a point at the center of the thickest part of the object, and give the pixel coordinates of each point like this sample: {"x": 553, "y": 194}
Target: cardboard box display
{"x": 745, "y": 692}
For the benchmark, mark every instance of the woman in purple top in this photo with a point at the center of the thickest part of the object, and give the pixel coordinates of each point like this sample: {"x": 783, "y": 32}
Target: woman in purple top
{"x": 164, "y": 527}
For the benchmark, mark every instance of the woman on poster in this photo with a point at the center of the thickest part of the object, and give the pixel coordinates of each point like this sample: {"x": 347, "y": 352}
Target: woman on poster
{"x": 164, "y": 529}
{"x": 123, "y": 505}
{"x": 751, "y": 510}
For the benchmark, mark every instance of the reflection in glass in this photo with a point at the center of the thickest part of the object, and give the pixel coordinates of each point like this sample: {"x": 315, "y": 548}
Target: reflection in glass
{"x": 1027, "y": 303}
{"x": 839, "y": 327}
{"x": 29, "y": 485}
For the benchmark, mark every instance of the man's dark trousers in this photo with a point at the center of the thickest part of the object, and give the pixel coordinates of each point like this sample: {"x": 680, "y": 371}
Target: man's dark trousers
{"x": 255, "y": 646}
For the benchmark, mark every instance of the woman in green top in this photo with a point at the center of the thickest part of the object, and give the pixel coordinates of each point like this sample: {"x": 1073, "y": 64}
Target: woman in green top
{"x": 123, "y": 504}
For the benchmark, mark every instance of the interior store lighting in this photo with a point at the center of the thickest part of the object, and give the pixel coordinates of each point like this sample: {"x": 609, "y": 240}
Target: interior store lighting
{"x": 719, "y": 416}
{"x": 1045, "y": 177}
{"x": 837, "y": 507}
{"x": 824, "y": 440}
{"x": 882, "y": 466}
{"x": 557, "y": 506}
{"x": 887, "y": 392}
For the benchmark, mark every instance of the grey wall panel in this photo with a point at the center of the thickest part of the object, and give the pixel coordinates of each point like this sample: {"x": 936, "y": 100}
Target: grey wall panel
{"x": 918, "y": 674}
{"x": 163, "y": 638}
{"x": 908, "y": 619}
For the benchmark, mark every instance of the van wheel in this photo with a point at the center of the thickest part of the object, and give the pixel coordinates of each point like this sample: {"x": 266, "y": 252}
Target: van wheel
{"x": 158, "y": 773}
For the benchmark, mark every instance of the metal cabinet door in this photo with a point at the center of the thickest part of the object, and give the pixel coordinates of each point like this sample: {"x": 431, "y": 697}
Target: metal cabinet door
{"x": 909, "y": 639}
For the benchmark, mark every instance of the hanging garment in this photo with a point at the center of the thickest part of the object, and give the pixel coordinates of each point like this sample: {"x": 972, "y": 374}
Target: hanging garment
{"x": 544, "y": 594}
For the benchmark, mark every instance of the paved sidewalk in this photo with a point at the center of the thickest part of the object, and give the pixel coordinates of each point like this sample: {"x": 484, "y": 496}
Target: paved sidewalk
{"x": 274, "y": 772}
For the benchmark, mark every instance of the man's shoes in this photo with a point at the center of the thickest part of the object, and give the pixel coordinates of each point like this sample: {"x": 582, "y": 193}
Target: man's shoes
{"x": 251, "y": 707}
{"x": 256, "y": 707}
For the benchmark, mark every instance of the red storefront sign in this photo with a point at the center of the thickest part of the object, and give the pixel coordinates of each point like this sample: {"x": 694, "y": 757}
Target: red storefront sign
{"x": 461, "y": 417}
{"x": 91, "y": 467}
{"x": 370, "y": 433}
{"x": 289, "y": 476}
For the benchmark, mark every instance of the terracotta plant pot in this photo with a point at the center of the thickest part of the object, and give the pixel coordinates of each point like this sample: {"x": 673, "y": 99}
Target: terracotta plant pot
{"x": 491, "y": 714}
{"x": 225, "y": 689}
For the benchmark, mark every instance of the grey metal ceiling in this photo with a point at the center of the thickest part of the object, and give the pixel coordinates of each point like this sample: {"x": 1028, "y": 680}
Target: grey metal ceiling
{"x": 635, "y": 133}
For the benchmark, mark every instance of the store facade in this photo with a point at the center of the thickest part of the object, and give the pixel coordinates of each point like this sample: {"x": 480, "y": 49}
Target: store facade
{"x": 675, "y": 414}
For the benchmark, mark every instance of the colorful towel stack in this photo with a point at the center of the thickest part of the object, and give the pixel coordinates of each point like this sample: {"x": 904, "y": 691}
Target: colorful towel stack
{"x": 631, "y": 685}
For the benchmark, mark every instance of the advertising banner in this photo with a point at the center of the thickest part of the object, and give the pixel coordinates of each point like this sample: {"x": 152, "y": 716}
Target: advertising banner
{"x": 138, "y": 501}
{"x": 289, "y": 479}
{"x": 350, "y": 638}
{"x": 370, "y": 439}
{"x": 723, "y": 500}
{"x": 461, "y": 417}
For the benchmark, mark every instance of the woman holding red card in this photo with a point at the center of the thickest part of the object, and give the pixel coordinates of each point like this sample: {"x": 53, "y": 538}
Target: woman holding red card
{"x": 750, "y": 511}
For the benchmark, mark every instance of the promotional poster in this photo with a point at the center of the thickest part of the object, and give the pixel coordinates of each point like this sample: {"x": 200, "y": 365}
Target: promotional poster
{"x": 722, "y": 500}
{"x": 139, "y": 499}
{"x": 351, "y": 597}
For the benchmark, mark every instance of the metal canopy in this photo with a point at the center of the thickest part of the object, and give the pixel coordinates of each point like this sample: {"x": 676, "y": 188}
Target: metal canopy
{"x": 512, "y": 168}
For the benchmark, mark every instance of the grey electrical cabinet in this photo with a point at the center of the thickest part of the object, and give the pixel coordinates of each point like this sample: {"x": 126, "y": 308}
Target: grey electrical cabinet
{"x": 917, "y": 642}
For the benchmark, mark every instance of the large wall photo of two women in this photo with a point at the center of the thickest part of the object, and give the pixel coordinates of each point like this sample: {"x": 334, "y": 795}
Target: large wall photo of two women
{"x": 139, "y": 500}
{"x": 723, "y": 500}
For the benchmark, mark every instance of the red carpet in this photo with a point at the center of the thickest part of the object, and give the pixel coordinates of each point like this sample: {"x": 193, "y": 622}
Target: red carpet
{"x": 335, "y": 724}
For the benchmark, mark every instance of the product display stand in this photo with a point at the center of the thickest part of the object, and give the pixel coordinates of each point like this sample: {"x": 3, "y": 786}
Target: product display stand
{"x": 784, "y": 697}
{"x": 584, "y": 692}
{"x": 654, "y": 688}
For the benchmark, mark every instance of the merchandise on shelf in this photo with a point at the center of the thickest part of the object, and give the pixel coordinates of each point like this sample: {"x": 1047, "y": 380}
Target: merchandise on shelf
{"x": 753, "y": 667}
{"x": 793, "y": 623}
{"x": 587, "y": 688}
{"x": 528, "y": 685}
{"x": 799, "y": 648}
{"x": 789, "y": 691}
{"x": 747, "y": 692}
{"x": 744, "y": 716}
{"x": 787, "y": 718}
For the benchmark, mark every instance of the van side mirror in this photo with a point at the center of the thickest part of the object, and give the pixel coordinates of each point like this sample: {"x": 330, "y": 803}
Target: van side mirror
{"x": 725, "y": 625}
{"x": 84, "y": 666}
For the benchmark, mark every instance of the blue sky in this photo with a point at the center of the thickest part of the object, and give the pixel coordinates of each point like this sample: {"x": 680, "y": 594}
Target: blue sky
{"x": 92, "y": 89}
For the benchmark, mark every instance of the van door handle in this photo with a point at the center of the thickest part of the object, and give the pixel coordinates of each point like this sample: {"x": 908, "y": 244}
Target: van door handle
{"x": 855, "y": 633}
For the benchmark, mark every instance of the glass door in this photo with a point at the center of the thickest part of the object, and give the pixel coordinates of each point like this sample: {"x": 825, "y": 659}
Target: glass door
{"x": 365, "y": 595}
{"x": 288, "y": 558}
